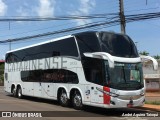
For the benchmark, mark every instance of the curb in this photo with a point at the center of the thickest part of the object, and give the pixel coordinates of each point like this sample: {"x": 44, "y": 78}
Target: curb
{"x": 153, "y": 96}
{"x": 152, "y": 108}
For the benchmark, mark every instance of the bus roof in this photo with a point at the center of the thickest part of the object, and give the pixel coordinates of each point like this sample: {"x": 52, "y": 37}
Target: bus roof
{"x": 61, "y": 38}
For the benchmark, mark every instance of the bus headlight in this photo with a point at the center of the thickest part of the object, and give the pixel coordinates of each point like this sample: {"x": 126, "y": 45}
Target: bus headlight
{"x": 111, "y": 94}
{"x": 142, "y": 93}
{"x": 107, "y": 93}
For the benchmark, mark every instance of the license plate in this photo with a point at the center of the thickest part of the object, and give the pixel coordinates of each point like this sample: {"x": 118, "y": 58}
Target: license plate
{"x": 129, "y": 105}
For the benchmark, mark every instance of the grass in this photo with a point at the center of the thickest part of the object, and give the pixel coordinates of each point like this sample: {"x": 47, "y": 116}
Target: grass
{"x": 153, "y": 102}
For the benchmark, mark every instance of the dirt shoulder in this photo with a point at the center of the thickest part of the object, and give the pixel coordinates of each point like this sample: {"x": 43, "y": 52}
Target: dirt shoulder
{"x": 152, "y": 94}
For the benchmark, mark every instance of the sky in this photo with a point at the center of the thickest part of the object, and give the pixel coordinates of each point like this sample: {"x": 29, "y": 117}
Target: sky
{"x": 144, "y": 33}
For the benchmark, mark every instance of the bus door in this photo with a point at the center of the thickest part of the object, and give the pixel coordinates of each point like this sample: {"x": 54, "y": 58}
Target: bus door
{"x": 96, "y": 94}
{"x": 95, "y": 87}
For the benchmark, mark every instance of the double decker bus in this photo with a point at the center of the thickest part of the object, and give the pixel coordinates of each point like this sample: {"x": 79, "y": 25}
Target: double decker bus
{"x": 94, "y": 68}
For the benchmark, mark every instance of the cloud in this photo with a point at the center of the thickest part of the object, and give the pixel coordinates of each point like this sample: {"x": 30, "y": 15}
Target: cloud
{"x": 46, "y": 8}
{"x": 3, "y": 8}
{"x": 85, "y": 8}
{"x": 22, "y": 12}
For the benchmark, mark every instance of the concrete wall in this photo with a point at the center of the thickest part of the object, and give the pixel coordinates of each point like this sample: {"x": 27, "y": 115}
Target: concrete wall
{"x": 152, "y": 77}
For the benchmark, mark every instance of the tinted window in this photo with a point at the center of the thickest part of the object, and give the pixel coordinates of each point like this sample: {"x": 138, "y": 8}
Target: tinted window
{"x": 8, "y": 57}
{"x": 94, "y": 72}
{"x": 88, "y": 42}
{"x": 66, "y": 47}
{"x": 117, "y": 45}
{"x": 11, "y": 57}
{"x": 50, "y": 75}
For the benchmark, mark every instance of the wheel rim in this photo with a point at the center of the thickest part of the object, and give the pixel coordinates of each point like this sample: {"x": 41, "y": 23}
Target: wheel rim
{"x": 14, "y": 92}
{"x": 77, "y": 100}
{"x": 19, "y": 93}
{"x": 63, "y": 98}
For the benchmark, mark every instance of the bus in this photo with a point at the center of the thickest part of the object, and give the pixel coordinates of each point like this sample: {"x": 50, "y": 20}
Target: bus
{"x": 95, "y": 68}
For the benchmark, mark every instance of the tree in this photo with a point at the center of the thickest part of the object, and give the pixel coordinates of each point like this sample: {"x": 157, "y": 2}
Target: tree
{"x": 1, "y": 78}
{"x": 144, "y": 53}
{"x": 1, "y": 73}
{"x": 157, "y": 57}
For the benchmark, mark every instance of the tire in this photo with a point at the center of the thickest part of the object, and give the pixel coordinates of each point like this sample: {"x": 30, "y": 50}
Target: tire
{"x": 63, "y": 99}
{"x": 77, "y": 100}
{"x": 19, "y": 93}
{"x": 14, "y": 92}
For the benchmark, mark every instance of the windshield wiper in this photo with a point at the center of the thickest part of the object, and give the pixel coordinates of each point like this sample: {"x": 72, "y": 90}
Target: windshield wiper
{"x": 124, "y": 76}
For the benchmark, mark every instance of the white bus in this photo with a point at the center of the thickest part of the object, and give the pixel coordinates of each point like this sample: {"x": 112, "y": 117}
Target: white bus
{"x": 100, "y": 69}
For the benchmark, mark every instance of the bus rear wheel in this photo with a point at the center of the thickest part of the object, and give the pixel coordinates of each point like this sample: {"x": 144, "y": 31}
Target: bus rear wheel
{"x": 77, "y": 100}
{"x": 63, "y": 99}
{"x": 14, "y": 92}
{"x": 19, "y": 93}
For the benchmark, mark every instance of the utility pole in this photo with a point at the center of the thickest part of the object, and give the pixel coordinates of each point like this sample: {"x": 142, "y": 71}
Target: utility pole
{"x": 146, "y": 2}
{"x": 8, "y": 39}
{"x": 122, "y": 17}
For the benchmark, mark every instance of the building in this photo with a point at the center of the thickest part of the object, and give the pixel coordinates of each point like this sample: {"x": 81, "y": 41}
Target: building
{"x": 2, "y": 61}
{"x": 152, "y": 77}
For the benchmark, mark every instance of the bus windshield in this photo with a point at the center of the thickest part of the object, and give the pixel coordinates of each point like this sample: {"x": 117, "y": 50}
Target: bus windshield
{"x": 125, "y": 76}
{"x": 117, "y": 45}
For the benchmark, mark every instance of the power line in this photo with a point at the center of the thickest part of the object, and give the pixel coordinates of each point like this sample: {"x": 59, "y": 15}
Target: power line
{"x": 55, "y": 26}
{"x": 142, "y": 9}
{"x": 72, "y": 17}
{"x": 59, "y": 32}
{"x": 114, "y": 21}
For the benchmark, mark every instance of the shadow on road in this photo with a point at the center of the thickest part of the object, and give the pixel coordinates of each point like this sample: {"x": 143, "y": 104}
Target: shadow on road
{"x": 36, "y": 99}
{"x": 88, "y": 111}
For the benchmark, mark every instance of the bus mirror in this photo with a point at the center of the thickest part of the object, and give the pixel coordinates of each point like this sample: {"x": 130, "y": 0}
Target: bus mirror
{"x": 101, "y": 55}
{"x": 91, "y": 55}
{"x": 149, "y": 58}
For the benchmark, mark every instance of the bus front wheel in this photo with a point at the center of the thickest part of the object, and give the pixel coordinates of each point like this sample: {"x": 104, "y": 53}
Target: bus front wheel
{"x": 77, "y": 100}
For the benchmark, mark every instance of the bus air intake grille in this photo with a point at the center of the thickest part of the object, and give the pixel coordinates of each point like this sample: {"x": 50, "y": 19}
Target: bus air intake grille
{"x": 128, "y": 97}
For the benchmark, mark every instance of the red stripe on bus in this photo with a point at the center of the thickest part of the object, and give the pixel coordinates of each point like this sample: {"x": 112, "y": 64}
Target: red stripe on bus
{"x": 106, "y": 98}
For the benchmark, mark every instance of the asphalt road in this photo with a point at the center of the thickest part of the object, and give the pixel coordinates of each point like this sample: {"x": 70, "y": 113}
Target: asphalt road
{"x": 28, "y": 105}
